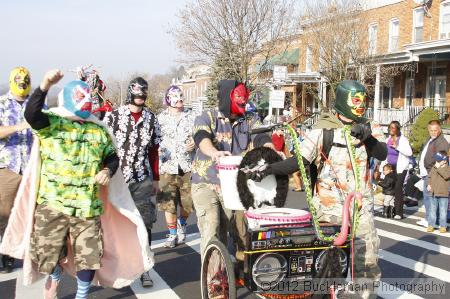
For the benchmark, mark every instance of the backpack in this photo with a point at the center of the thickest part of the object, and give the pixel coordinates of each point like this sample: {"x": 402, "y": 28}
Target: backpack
{"x": 327, "y": 144}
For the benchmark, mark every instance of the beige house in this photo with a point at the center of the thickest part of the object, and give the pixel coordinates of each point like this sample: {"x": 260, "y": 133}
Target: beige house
{"x": 194, "y": 85}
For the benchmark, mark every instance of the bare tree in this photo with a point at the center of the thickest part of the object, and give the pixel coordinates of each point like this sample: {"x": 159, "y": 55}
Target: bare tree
{"x": 116, "y": 90}
{"x": 337, "y": 37}
{"x": 238, "y": 30}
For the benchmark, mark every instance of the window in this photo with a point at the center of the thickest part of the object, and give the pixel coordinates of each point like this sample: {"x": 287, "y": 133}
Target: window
{"x": 386, "y": 96}
{"x": 409, "y": 89}
{"x": 444, "y": 25}
{"x": 418, "y": 25}
{"x": 373, "y": 31}
{"x": 393, "y": 35}
{"x": 308, "y": 59}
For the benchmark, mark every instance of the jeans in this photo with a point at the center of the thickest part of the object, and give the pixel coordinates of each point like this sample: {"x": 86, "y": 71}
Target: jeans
{"x": 426, "y": 197}
{"x": 442, "y": 202}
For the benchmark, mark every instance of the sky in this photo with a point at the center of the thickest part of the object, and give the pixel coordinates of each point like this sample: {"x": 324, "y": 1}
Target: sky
{"x": 117, "y": 36}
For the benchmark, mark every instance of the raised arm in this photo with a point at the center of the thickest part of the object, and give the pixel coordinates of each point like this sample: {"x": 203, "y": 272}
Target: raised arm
{"x": 33, "y": 111}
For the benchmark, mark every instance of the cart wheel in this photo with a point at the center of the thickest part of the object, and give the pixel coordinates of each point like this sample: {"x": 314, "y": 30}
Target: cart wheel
{"x": 217, "y": 272}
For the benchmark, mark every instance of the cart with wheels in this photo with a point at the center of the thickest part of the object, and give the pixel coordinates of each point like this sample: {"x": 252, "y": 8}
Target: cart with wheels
{"x": 287, "y": 251}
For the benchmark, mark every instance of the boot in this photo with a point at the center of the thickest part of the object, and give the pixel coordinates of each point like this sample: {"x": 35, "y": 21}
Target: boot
{"x": 390, "y": 212}
{"x": 385, "y": 210}
{"x": 8, "y": 264}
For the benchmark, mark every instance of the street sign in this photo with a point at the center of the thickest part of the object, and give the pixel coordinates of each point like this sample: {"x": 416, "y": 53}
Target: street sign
{"x": 277, "y": 98}
{"x": 279, "y": 73}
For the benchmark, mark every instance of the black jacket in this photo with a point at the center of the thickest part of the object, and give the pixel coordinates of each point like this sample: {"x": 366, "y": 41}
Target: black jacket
{"x": 388, "y": 184}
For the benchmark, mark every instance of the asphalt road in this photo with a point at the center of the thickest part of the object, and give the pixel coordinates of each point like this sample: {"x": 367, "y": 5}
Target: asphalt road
{"x": 407, "y": 254}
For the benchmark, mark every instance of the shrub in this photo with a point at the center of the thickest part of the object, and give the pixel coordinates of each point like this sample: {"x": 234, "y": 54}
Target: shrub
{"x": 419, "y": 131}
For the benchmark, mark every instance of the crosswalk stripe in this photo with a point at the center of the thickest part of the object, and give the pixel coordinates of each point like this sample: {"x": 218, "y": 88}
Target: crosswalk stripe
{"x": 160, "y": 288}
{"x": 9, "y": 276}
{"x": 414, "y": 217}
{"x": 416, "y": 266}
{"x": 26, "y": 292}
{"x": 414, "y": 241}
{"x": 189, "y": 238}
{"x": 411, "y": 226}
{"x": 397, "y": 294}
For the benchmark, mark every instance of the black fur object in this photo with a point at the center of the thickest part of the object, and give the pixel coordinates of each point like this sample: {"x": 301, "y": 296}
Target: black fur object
{"x": 252, "y": 157}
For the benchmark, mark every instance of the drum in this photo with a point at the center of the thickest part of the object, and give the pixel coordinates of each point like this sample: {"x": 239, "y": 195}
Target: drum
{"x": 276, "y": 217}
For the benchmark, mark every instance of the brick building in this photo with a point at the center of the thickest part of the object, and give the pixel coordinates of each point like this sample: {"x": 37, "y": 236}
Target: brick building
{"x": 412, "y": 36}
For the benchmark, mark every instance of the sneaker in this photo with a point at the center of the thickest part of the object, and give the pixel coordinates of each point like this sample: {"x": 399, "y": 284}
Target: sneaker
{"x": 171, "y": 241}
{"x": 422, "y": 222}
{"x": 398, "y": 217}
{"x": 181, "y": 232}
{"x": 442, "y": 230}
{"x": 50, "y": 288}
{"x": 146, "y": 281}
{"x": 430, "y": 229}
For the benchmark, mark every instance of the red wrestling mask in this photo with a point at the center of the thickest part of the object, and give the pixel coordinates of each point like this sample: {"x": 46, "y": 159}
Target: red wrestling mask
{"x": 239, "y": 98}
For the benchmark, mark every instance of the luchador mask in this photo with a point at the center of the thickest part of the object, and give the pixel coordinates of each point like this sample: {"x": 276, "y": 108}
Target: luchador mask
{"x": 357, "y": 102}
{"x": 351, "y": 100}
{"x": 173, "y": 96}
{"x": 20, "y": 82}
{"x": 138, "y": 88}
{"x": 76, "y": 98}
{"x": 239, "y": 98}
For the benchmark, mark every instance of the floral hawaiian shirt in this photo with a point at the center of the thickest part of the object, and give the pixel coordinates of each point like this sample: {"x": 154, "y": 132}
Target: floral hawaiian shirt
{"x": 134, "y": 140}
{"x": 14, "y": 149}
{"x": 72, "y": 153}
{"x": 226, "y": 136}
{"x": 176, "y": 132}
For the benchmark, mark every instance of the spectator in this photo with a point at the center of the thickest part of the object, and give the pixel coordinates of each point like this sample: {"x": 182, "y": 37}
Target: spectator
{"x": 388, "y": 184}
{"x": 399, "y": 153}
{"x": 438, "y": 185}
{"x": 436, "y": 143}
{"x": 278, "y": 140}
{"x": 138, "y": 136}
{"x": 15, "y": 147}
{"x": 298, "y": 183}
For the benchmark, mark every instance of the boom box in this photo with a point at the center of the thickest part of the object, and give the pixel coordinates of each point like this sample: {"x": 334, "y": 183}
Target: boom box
{"x": 281, "y": 258}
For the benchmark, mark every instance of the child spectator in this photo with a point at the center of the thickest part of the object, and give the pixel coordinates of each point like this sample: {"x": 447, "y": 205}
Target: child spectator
{"x": 438, "y": 187}
{"x": 388, "y": 185}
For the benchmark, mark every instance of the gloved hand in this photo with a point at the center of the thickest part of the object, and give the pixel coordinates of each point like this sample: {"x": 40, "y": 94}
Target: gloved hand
{"x": 256, "y": 172}
{"x": 361, "y": 132}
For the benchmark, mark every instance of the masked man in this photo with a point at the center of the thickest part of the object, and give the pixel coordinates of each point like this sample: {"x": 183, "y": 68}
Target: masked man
{"x": 15, "y": 146}
{"x": 176, "y": 150}
{"x": 218, "y": 133}
{"x": 77, "y": 219}
{"x": 337, "y": 175}
{"x": 138, "y": 135}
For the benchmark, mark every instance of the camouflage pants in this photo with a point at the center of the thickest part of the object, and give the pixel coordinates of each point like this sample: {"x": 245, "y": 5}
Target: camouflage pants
{"x": 367, "y": 244}
{"x": 175, "y": 190}
{"x": 212, "y": 217}
{"x": 49, "y": 240}
{"x": 10, "y": 182}
{"x": 142, "y": 196}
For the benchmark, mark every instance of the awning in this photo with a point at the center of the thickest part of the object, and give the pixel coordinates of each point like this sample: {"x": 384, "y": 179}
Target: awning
{"x": 285, "y": 58}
